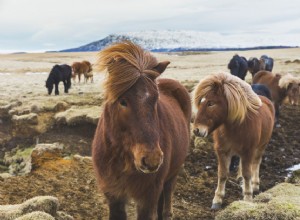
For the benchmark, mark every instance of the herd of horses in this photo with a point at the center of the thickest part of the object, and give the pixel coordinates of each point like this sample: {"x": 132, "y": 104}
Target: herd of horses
{"x": 64, "y": 73}
{"x": 239, "y": 66}
{"x": 143, "y": 134}
{"x": 276, "y": 87}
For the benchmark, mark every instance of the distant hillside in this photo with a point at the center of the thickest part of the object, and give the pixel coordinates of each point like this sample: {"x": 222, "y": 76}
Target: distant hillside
{"x": 172, "y": 41}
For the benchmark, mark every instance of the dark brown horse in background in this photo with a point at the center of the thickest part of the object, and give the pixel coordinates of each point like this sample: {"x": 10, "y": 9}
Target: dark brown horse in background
{"x": 142, "y": 137}
{"x": 229, "y": 108}
{"x": 280, "y": 87}
{"x": 253, "y": 65}
{"x": 264, "y": 63}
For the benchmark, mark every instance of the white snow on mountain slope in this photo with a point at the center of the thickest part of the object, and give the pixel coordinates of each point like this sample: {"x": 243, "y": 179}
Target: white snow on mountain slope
{"x": 169, "y": 40}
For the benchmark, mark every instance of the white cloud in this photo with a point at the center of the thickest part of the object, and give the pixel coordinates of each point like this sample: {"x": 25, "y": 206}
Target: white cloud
{"x": 70, "y": 23}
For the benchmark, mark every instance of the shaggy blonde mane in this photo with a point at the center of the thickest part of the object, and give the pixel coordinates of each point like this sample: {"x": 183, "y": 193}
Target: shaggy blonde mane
{"x": 125, "y": 62}
{"x": 239, "y": 95}
{"x": 287, "y": 79}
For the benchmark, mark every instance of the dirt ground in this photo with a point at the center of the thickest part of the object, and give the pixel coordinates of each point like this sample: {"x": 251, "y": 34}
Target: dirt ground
{"x": 74, "y": 183}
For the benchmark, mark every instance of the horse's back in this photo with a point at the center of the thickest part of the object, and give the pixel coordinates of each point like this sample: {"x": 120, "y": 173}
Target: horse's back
{"x": 263, "y": 77}
{"x": 177, "y": 91}
{"x": 76, "y": 66}
{"x": 67, "y": 70}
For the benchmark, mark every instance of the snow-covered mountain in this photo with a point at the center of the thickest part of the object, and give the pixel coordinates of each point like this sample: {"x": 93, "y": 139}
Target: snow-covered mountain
{"x": 193, "y": 40}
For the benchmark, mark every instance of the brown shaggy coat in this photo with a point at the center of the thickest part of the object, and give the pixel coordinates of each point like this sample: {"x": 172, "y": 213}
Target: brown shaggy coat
{"x": 228, "y": 108}
{"x": 142, "y": 137}
{"x": 280, "y": 87}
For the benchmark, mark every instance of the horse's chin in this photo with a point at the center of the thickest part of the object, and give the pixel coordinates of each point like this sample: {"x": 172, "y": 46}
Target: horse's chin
{"x": 145, "y": 170}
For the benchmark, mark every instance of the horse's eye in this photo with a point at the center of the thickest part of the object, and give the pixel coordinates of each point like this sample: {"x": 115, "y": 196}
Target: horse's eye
{"x": 210, "y": 104}
{"x": 123, "y": 103}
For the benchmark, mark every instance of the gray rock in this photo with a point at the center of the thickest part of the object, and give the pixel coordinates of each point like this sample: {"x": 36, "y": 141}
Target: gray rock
{"x": 36, "y": 216}
{"x": 46, "y": 204}
{"x": 31, "y": 119}
{"x": 80, "y": 115}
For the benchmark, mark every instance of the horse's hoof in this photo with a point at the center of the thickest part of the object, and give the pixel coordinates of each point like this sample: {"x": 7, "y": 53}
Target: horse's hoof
{"x": 256, "y": 192}
{"x": 216, "y": 206}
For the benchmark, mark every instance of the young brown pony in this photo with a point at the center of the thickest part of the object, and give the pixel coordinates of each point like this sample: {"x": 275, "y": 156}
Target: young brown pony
{"x": 142, "y": 136}
{"x": 228, "y": 108}
{"x": 280, "y": 88}
{"x": 84, "y": 68}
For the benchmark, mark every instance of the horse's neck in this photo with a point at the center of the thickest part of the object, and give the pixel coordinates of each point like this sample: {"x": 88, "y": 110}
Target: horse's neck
{"x": 234, "y": 128}
{"x": 50, "y": 79}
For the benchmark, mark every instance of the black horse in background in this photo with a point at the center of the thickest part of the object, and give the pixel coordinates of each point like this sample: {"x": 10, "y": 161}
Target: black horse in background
{"x": 262, "y": 90}
{"x": 59, "y": 73}
{"x": 238, "y": 66}
{"x": 266, "y": 63}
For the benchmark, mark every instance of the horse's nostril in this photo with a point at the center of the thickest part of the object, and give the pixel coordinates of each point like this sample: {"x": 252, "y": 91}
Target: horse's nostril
{"x": 143, "y": 162}
{"x": 196, "y": 131}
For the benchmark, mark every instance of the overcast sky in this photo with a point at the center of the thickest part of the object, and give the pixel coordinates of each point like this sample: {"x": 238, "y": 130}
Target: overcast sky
{"x": 39, "y": 25}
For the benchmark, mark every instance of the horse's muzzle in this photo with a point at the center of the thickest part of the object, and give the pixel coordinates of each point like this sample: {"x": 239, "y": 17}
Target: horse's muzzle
{"x": 201, "y": 131}
{"x": 148, "y": 161}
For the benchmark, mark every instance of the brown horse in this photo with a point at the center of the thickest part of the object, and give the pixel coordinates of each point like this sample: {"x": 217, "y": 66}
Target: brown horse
{"x": 88, "y": 73}
{"x": 228, "y": 108}
{"x": 80, "y": 68}
{"x": 280, "y": 87}
{"x": 142, "y": 137}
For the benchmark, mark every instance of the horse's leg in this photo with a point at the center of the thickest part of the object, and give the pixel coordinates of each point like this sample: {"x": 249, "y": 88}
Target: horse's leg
{"x": 255, "y": 171}
{"x": 92, "y": 79}
{"x": 147, "y": 213}
{"x": 116, "y": 208}
{"x": 160, "y": 207}
{"x": 147, "y": 208}
{"x": 69, "y": 83}
{"x": 56, "y": 89}
{"x": 255, "y": 177}
{"x": 247, "y": 175}
{"x": 66, "y": 86}
{"x": 79, "y": 77}
{"x": 167, "y": 209}
{"x": 223, "y": 171}
{"x": 277, "y": 106}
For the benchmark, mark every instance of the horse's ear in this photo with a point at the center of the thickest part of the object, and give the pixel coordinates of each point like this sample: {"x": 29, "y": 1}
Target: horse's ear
{"x": 161, "y": 67}
{"x": 217, "y": 88}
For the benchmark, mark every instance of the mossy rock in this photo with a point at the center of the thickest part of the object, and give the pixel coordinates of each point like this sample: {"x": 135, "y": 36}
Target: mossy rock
{"x": 36, "y": 216}
{"x": 282, "y": 202}
{"x": 294, "y": 177}
{"x": 46, "y": 204}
